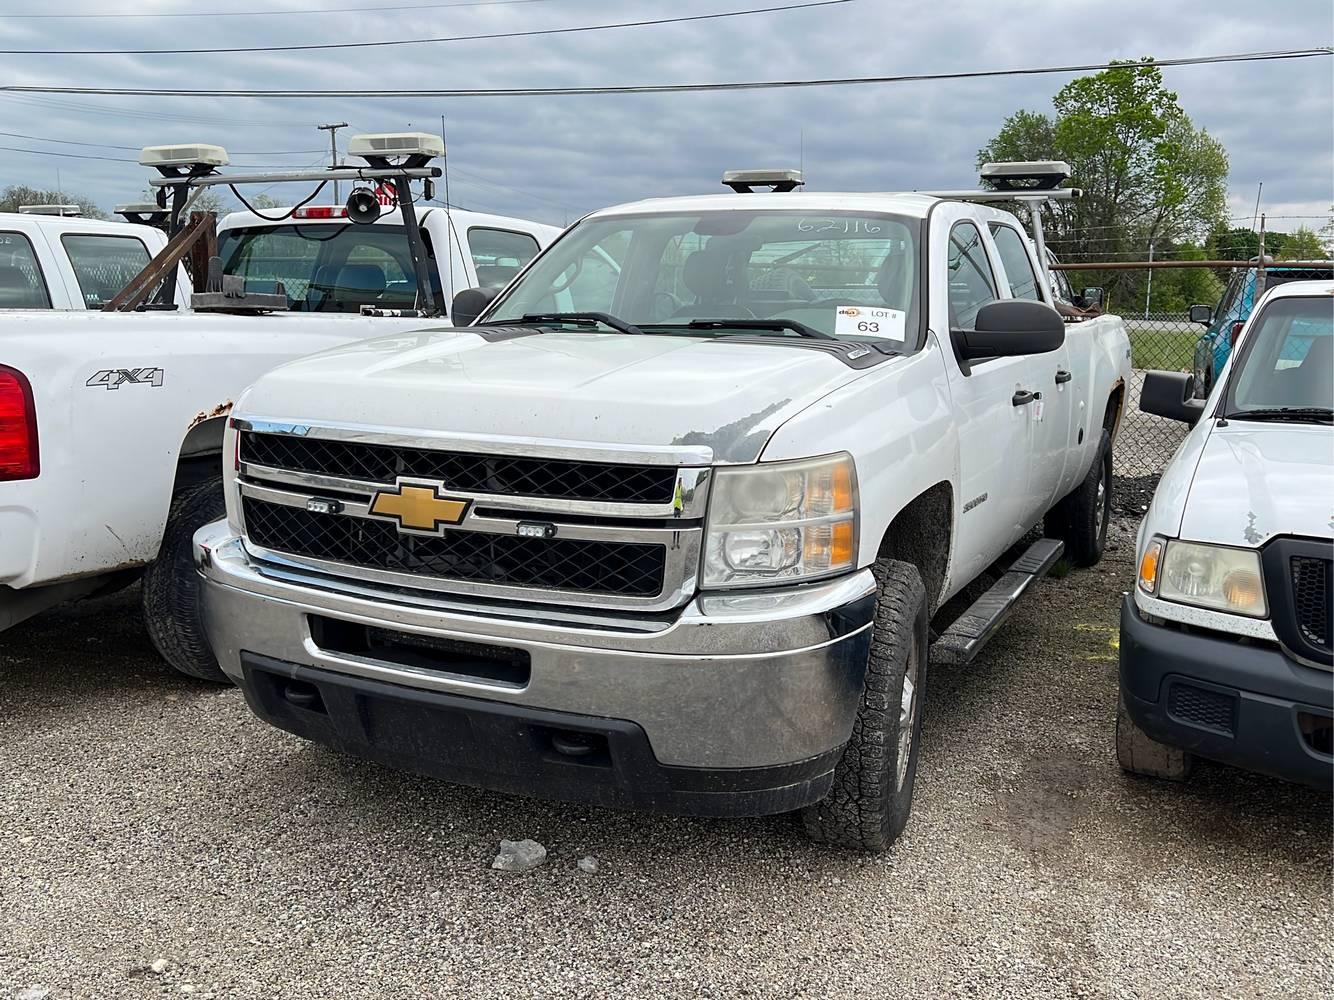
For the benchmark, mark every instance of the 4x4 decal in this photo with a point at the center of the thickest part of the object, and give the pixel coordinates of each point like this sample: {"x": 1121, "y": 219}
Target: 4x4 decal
{"x": 113, "y": 378}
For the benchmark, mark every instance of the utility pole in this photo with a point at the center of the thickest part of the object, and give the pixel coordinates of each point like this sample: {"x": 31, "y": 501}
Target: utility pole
{"x": 332, "y": 128}
{"x": 1148, "y": 289}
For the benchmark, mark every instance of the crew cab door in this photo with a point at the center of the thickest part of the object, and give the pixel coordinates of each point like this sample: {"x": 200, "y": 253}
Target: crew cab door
{"x": 996, "y": 428}
{"x": 1053, "y": 416}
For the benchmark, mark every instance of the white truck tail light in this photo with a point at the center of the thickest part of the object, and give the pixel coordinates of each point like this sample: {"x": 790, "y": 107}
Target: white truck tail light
{"x": 18, "y": 426}
{"x": 321, "y": 212}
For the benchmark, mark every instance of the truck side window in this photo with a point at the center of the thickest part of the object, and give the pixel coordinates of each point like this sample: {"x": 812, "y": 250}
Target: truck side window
{"x": 972, "y": 282}
{"x": 104, "y": 265}
{"x": 499, "y": 254}
{"x": 22, "y": 285}
{"x": 1023, "y": 280}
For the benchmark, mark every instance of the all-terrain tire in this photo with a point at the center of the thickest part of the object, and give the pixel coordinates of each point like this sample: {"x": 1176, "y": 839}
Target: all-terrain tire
{"x": 1080, "y": 520}
{"x": 171, "y": 596}
{"x": 1139, "y": 753}
{"x": 867, "y": 807}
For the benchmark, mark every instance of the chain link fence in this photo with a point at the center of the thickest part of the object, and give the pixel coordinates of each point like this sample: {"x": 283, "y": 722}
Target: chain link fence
{"x": 1172, "y": 341}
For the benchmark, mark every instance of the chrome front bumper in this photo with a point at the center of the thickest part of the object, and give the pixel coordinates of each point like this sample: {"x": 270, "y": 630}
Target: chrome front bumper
{"x": 742, "y": 680}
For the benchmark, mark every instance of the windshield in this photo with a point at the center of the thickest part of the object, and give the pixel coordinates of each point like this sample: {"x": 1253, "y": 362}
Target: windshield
{"x": 326, "y": 268}
{"x": 661, "y": 272}
{"x": 1287, "y": 358}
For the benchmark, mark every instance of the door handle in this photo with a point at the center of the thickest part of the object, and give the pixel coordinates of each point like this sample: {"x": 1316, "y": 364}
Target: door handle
{"x": 1023, "y": 397}
{"x": 1063, "y": 376}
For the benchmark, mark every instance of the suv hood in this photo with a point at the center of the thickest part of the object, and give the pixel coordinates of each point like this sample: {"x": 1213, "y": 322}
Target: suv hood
{"x": 1257, "y": 480}
{"x": 567, "y": 388}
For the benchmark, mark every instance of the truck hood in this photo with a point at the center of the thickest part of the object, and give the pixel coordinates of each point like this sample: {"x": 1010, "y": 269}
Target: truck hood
{"x": 1257, "y": 480}
{"x": 720, "y": 399}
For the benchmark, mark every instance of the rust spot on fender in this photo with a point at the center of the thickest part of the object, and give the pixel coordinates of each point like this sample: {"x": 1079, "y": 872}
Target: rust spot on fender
{"x": 221, "y": 410}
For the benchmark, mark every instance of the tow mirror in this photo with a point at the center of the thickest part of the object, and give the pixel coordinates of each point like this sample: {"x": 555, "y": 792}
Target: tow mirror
{"x": 1091, "y": 298}
{"x": 1201, "y": 314}
{"x": 1171, "y": 395}
{"x": 1010, "y": 327}
{"x": 471, "y": 303}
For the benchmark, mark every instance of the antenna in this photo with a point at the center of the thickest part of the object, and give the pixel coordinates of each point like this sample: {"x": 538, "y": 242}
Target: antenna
{"x": 449, "y": 223}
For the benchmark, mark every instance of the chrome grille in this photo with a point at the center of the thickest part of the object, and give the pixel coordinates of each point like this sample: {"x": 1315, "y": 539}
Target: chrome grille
{"x": 615, "y": 568}
{"x": 503, "y": 475}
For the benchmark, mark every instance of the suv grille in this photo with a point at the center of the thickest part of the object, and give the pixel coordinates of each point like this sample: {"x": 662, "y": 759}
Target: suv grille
{"x": 499, "y": 474}
{"x": 1310, "y": 599}
{"x": 617, "y": 568}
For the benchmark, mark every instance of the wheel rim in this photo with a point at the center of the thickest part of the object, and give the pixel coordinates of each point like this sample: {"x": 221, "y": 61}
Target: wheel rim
{"x": 909, "y": 705}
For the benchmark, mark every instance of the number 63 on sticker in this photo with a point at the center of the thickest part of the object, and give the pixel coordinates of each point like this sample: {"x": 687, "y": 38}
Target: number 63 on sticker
{"x": 870, "y": 321}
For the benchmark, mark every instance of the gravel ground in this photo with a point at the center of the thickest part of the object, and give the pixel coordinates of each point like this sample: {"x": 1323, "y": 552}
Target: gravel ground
{"x": 148, "y": 819}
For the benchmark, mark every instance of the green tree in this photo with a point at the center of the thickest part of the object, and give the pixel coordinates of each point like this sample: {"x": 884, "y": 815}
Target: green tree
{"x": 1148, "y": 175}
{"x": 20, "y": 194}
{"x": 1303, "y": 244}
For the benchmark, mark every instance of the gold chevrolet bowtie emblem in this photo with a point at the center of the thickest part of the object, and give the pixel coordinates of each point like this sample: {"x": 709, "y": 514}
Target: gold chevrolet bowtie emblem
{"x": 418, "y": 508}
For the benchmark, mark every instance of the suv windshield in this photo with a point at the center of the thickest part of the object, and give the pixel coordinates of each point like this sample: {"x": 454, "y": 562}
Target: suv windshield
{"x": 332, "y": 268}
{"x": 1286, "y": 366}
{"x": 662, "y": 273}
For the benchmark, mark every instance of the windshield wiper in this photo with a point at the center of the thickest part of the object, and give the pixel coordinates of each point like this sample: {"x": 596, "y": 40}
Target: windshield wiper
{"x": 574, "y": 318}
{"x": 1297, "y": 414}
{"x": 801, "y": 329}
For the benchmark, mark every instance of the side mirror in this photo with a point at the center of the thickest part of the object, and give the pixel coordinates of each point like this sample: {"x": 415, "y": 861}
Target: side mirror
{"x": 471, "y": 303}
{"x": 1010, "y": 327}
{"x": 1171, "y": 395}
{"x": 1201, "y": 314}
{"x": 1092, "y": 298}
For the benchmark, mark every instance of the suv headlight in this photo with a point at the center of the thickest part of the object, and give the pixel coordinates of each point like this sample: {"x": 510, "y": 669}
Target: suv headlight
{"x": 1206, "y": 576}
{"x": 781, "y": 521}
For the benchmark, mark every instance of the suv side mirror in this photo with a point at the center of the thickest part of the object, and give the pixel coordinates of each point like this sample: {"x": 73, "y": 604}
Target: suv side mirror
{"x": 1092, "y": 298}
{"x": 1171, "y": 395}
{"x": 469, "y": 304}
{"x": 1009, "y": 327}
{"x": 1201, "y": 314}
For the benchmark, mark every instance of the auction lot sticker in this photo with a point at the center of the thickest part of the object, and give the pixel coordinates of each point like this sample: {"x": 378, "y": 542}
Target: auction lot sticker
{"x": 870, "y": 321}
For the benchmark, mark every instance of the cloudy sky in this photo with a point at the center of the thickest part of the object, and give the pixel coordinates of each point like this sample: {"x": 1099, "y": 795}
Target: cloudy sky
{"x": 554, "y": 158}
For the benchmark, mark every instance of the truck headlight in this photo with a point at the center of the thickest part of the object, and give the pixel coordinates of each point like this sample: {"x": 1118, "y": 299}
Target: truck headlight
{"x": 781, "y": 521}
{"x": 1206, "y": 576}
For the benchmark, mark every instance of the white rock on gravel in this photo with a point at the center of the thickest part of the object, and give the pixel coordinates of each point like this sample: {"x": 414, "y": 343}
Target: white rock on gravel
{"x": 33, "y": 992}
{"x": 160, "y": 966}
{"x": 589, "y": 864}
{"x": 519, "y": 855}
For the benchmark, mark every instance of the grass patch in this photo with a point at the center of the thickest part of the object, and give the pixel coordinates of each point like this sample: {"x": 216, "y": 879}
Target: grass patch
{"x": 1163, "y": 349}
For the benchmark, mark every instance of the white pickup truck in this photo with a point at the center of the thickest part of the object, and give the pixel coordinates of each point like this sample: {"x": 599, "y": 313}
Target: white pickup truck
{"x": 111, "y": 423}
{"x": 671, "y": 525}
{"x": 69, "y": 263}
{"x": 1227, "y": 641}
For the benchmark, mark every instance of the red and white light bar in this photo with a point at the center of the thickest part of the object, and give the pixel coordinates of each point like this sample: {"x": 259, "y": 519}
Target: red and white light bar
{"x": 321, "y": 212}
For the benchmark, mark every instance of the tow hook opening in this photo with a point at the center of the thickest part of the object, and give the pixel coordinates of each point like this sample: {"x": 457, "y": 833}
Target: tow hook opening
{"x": 579, "y": 747}
{"x": 305, "y": 696}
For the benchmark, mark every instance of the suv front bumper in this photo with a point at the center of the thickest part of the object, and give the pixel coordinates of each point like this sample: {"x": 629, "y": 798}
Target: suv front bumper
{"x": 736, "y": 704}
{"x": 1242, "y": 703}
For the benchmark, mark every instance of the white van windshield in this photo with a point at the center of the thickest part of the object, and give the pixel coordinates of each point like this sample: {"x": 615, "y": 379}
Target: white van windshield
{"x": 695, "y": 273}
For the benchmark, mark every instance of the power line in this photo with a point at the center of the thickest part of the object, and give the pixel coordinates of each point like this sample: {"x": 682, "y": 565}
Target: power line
{"x": 666, "y": 88}
{"x": 47, "y": 103}
{"x": 126, "y": 159}
{"x": 275, "y": 13}
{"x": 135, "y": 149}
{"x": 321, "y": 46}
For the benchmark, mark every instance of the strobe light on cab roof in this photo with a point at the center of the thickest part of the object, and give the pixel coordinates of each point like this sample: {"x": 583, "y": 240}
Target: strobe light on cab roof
{"x": 378, "y": 148}
{"x": 1026, "y": 175}
{"x": 746, "y": 181}
{"x": 189, "y": 155}
{"x": 61, "y": 210}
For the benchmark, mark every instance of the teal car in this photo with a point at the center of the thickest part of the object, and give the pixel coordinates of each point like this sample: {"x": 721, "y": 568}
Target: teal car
{"x": 1234, "y": 308}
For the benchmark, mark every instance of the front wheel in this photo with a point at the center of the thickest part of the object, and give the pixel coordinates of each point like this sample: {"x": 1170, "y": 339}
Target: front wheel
{"x": 172, "y": 612}
{"x": 867, "y": 807}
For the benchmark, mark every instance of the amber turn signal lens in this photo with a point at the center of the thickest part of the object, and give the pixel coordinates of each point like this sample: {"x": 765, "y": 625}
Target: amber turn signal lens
{"x": 1148, "y": 566}
{"x": 843, "y": 486}
{"x": 841, "y": 545}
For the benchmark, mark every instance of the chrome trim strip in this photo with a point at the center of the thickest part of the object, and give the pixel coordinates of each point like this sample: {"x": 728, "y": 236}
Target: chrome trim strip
{"x": 694, "y": 485}
{"x": 483, "y": 444}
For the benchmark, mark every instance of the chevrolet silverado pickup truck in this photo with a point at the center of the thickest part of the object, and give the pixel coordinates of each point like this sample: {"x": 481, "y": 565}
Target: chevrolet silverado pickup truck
{"x": 671, "y": 525}
{"x": 111, "y": 423}
{"x": 1227, "y": 641}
